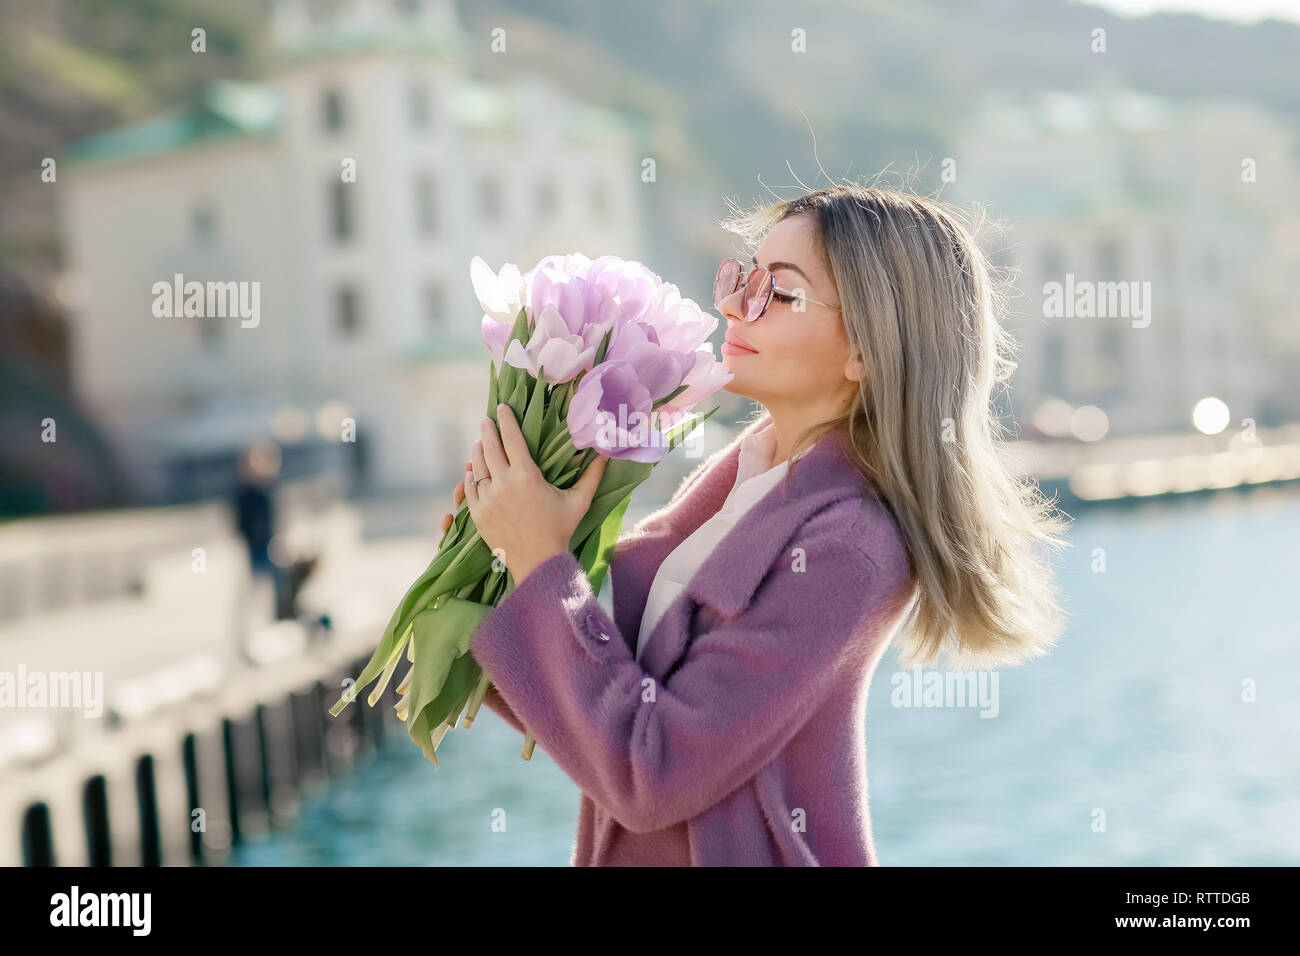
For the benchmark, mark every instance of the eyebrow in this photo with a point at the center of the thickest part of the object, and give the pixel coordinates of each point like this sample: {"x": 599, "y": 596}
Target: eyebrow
{"x": 773, "y": 266}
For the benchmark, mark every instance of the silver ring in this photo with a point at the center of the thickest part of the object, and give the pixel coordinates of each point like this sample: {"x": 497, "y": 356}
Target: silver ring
{"x": 484, "y": 478}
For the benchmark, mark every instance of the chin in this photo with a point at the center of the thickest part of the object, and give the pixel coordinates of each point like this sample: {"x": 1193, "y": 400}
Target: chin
{"x": 737, "y": 387}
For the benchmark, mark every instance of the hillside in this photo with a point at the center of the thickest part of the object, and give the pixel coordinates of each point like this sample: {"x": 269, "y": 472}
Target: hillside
{"x": 882, "y": 84}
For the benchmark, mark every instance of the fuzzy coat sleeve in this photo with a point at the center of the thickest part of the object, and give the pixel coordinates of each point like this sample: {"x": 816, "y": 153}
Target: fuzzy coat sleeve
{"x": 653, "y": 755}
{"x": 496, "y": 703}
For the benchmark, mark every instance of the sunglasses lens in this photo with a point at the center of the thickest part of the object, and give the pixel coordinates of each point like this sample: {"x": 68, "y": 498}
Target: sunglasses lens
{"x": 727, "y": 279}
{"x": 758, "y": 292}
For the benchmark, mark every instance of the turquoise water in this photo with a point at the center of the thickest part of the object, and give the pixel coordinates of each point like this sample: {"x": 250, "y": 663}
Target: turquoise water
{"x": 1130, "y": 744}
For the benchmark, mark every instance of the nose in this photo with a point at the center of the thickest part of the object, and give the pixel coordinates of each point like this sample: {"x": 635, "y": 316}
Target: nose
{"x": 729, "y": 307}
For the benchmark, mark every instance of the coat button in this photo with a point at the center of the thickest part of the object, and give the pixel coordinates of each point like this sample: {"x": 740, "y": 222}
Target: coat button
{"x": 594, "y": 628}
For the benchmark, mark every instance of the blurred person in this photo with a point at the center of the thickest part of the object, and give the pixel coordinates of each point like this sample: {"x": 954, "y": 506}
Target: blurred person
{"x": 867, "y": 500}
{"x": 254, "y": 504}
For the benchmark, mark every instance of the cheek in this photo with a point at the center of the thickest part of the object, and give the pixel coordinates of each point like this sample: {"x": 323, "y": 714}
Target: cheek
{"x": 787, "y": 340}
{"x": 811, "y": 356}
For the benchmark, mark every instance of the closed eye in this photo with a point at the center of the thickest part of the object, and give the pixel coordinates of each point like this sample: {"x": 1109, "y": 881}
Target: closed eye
{"x": 782, "y": 297}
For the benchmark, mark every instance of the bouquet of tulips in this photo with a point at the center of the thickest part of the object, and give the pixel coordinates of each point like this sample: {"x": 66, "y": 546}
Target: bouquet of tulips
{"x": 593, "y": 357}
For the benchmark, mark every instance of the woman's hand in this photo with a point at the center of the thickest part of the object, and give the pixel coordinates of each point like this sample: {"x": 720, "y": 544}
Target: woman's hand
{"x": 524, "y": 519}
{"x": 457, "y": 496}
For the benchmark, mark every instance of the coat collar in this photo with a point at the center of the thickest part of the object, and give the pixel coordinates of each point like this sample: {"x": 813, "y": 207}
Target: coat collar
{"x": 730, "y": 575}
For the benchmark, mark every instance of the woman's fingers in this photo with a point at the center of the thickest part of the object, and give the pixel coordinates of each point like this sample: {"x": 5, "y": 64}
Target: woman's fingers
{"x": 495, "y": 459}
{"x": 510, "y": 437}
{"x": 458, "y": 493}
{"x": 457, "y": 497}
{"x": 480, "y": 465}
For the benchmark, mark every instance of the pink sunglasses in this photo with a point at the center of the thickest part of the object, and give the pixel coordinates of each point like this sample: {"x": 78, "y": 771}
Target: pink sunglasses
{"x": 760, "y": 286}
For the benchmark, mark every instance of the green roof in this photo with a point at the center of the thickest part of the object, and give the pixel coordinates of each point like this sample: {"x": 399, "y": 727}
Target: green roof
{"x": 223, "y": 109}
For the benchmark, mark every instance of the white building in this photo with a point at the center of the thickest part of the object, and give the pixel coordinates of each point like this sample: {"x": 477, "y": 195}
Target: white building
{"x": 366, "y": 307}
{"x": 1118, "y": 187}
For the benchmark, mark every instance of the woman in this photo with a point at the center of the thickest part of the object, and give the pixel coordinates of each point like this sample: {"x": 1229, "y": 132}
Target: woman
{"x": 718, "y": 717}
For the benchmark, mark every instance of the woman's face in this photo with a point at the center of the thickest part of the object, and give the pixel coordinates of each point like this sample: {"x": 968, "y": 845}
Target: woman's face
{"x": 795, "y": 353}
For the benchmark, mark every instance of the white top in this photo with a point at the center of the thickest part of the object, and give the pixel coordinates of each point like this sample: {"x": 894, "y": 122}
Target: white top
{"x": 755, "y": 477}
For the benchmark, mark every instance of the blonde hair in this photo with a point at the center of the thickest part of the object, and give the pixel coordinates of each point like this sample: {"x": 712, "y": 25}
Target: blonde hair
{"x": 921, "y": 306}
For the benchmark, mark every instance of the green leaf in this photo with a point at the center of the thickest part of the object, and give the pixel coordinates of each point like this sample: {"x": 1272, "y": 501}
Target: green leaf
{"x": 670, "y": 396}
{"x": 552, "y": 423}
{"x": 560, "y": 465}
{"x": 508, "y": 376}
{"x": 518, "y": 400}
{"x": 440, "y": 636}
{"x": 444, "y": 672}
{"x": 465, "y": 553}
{"x": 388, "y": 650}
{"x": 599, "y": 546}
{"x": 562, "y": 413}
{"x": 621, "y": 477}
{"x": 521, "y": 330}
{"x": 553, "y": 441}
{"x": 447, "y": 706}
{"x": 604, "y": 347}
{"x": 678, "y": 433}
{"x": 531, "y": 423}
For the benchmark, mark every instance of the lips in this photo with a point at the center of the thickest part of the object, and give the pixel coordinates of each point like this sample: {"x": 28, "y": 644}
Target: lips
{"x": 737, "y": 342}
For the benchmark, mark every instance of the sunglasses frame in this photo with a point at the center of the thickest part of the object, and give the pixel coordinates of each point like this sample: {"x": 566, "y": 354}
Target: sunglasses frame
{"x": 743, "y": 278}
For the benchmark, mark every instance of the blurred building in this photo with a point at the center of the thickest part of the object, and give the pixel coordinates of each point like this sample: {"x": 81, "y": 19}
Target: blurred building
{"x": 52, "y": 457}
{"x": 1197, "y": 203}
{"x": 353, "y": 187}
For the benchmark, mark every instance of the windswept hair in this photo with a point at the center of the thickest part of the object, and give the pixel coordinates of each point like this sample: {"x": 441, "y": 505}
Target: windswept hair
{"x": 922, "y": 305}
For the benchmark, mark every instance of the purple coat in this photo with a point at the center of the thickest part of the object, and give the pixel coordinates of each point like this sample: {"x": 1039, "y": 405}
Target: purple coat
{"x": 739, "y": 738}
